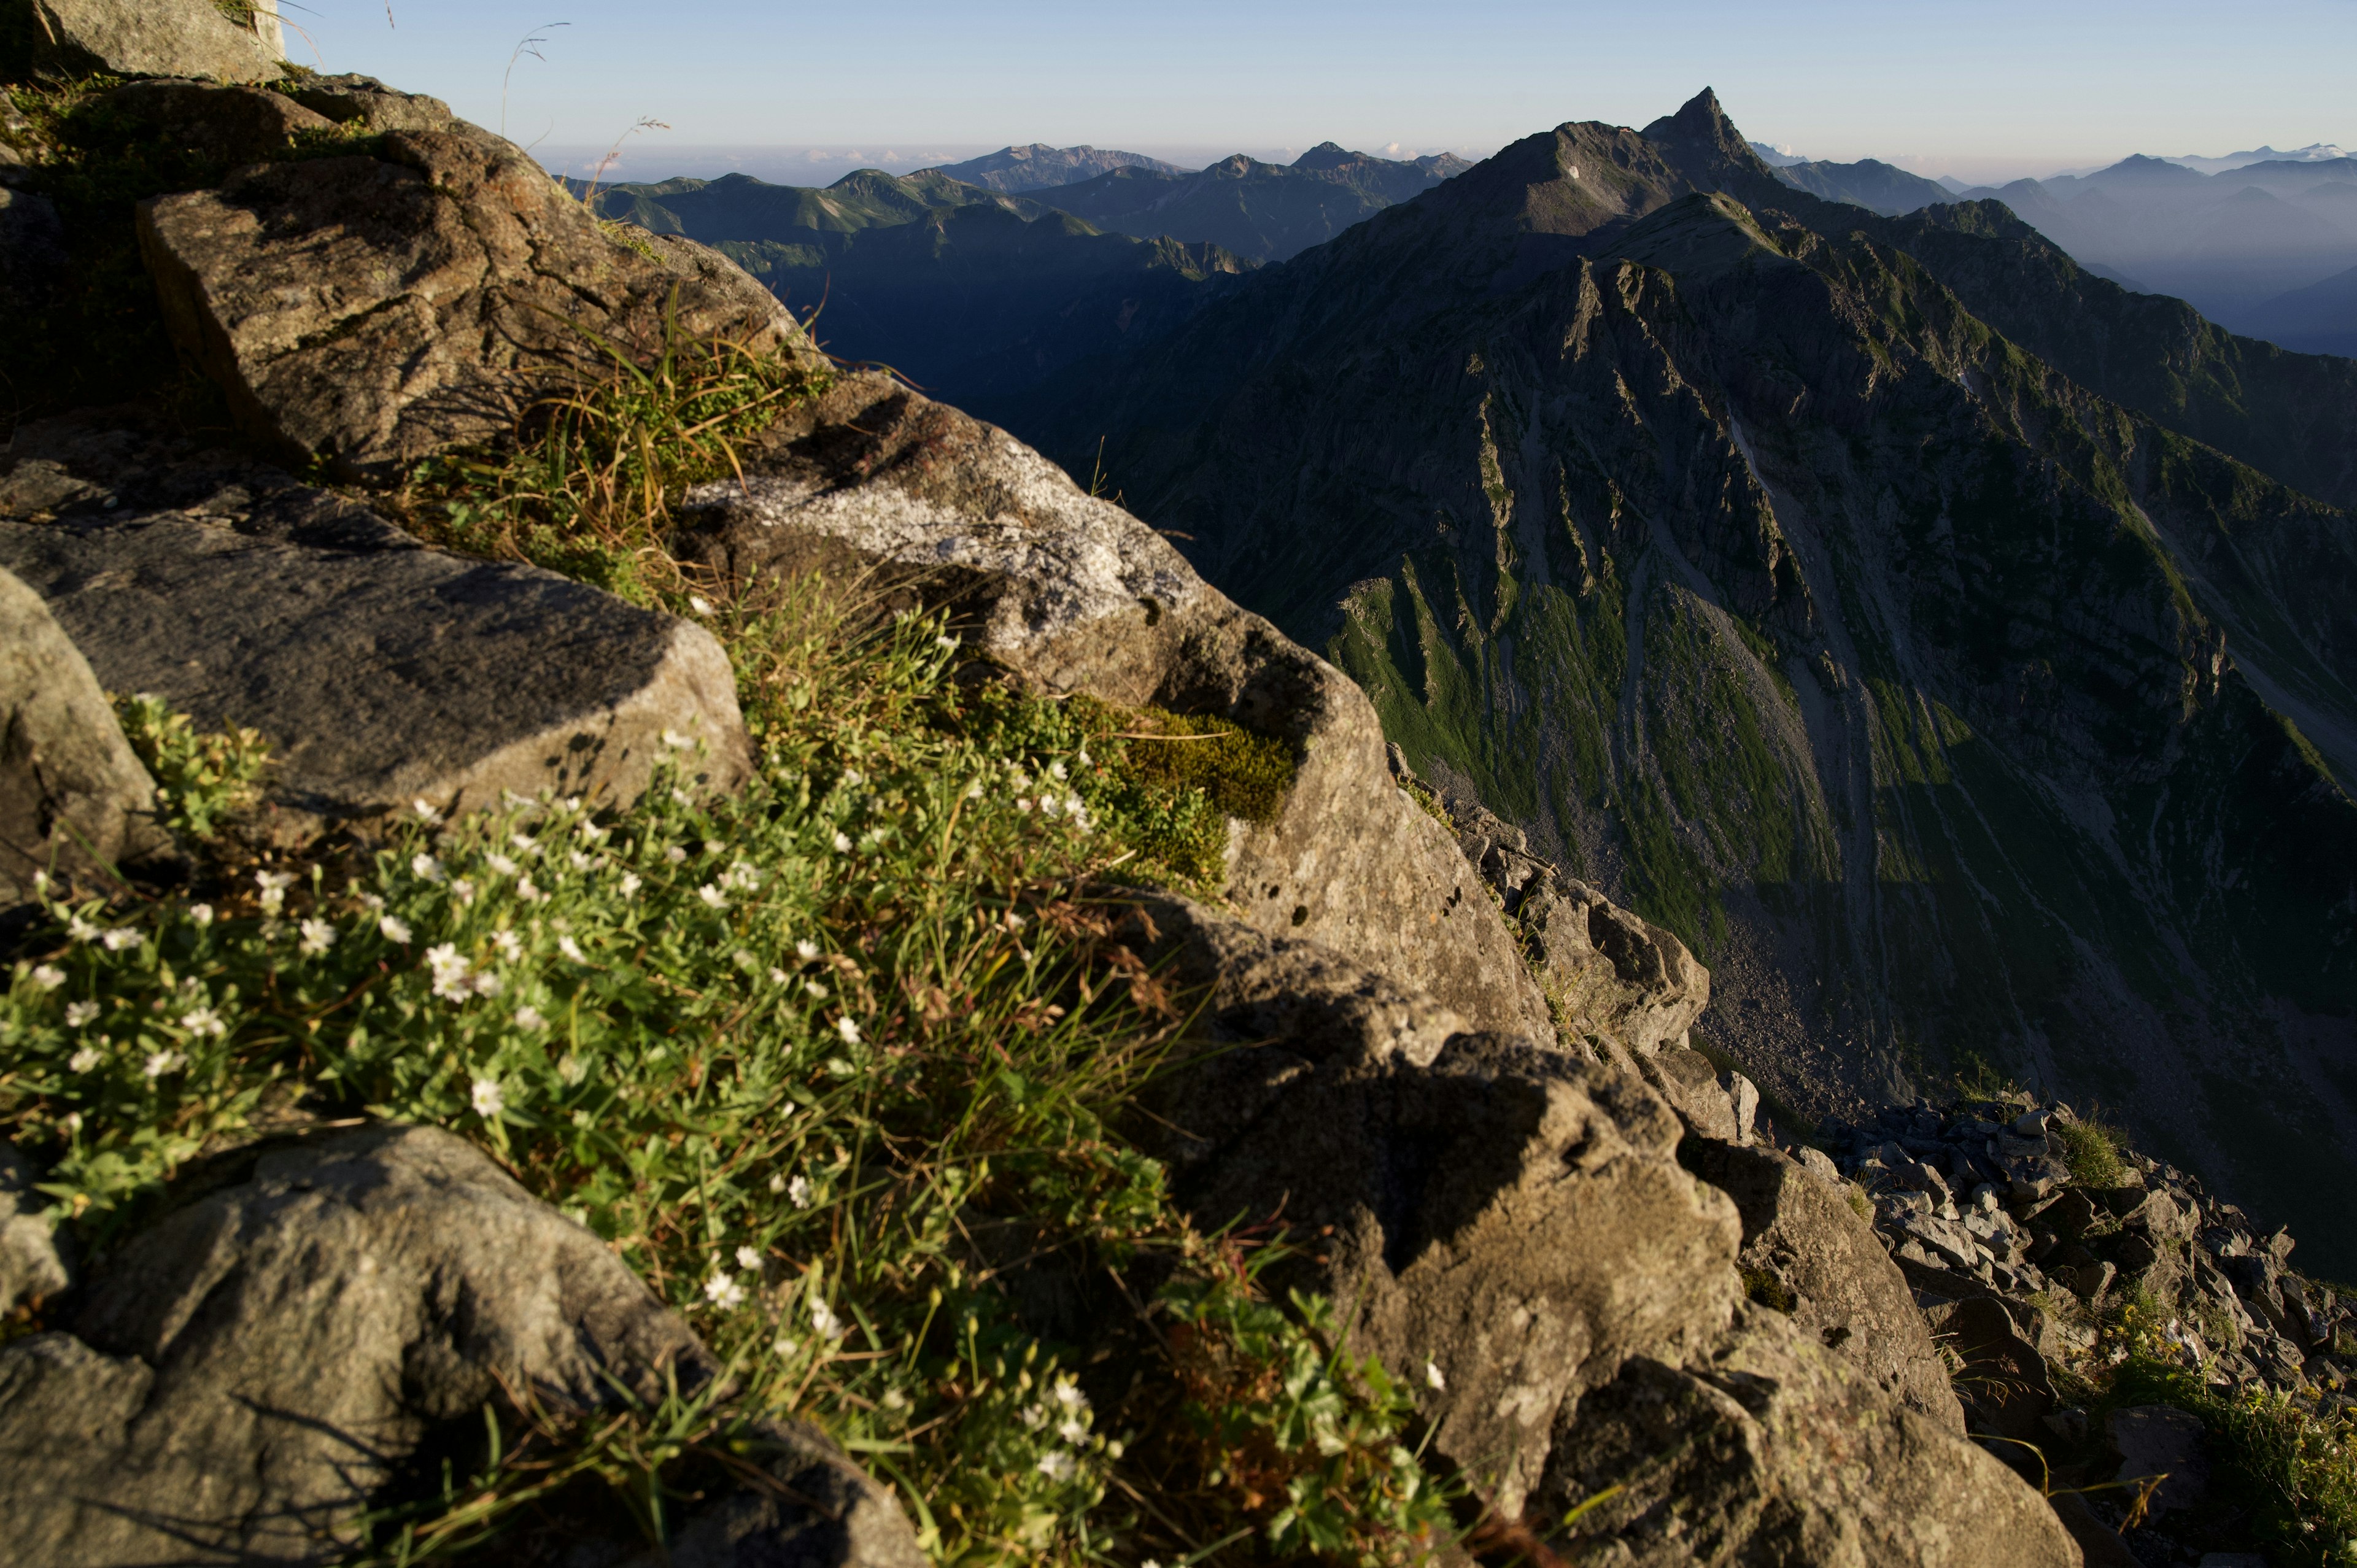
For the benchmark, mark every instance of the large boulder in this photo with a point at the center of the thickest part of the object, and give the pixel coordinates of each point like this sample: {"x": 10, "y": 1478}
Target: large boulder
{"x": 1771, "y": 1449}
{"x": 33, "y": 1266}
{"x": 74, "y": 800}
{"x": 240, "y": 1381}
{"x": 380, "y": 673}
{"x": 1069, "y": 593}
{"x": 140, "y": 37}
{"x": 372, "y": 309}
{"x": 1805, "y": 1247}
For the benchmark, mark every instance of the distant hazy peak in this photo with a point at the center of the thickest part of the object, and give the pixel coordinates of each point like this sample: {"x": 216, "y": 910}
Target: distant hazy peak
{"x": 1327, "y": 154}
{"x": 1038, "y": 167}
{"x": 1776, "y": 158}
{"x": 2140, "y": 169}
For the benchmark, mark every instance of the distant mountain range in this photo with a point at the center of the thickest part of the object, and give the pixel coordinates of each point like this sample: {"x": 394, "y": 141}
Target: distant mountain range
{"x": 2314, "y": 152}
{"x": 1952, "y": 646}
{"x": 1041, "y": 167}
{"x": 975, "y": 292}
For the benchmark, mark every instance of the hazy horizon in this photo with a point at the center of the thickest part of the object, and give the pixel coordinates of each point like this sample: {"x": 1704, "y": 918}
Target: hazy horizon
{"x": 2025, "y": 90}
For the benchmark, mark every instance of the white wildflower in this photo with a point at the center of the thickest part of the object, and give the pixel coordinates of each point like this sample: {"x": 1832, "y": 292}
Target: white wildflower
{"x": 394, "y": 929}
{"x": 48, "y": 977}
{"x": 674, "y": 855}
{"x": 848, "y": 1030}
{"x": 798, "y": 1192}
{"x": 487, "y": 1098}
{"x": 779, "y": 976}
{"x": 806, "y": 951}
{"x": 1049, "y": 806}
{"x": 974, "y": 792}
{"x": 1023, "y": 804}
{"x": 425, "y": 810}
{"x": 894, "y": 1400}
{"x": 72, "y": 1124}
{"x": 723, "y": 1293}
{"x": 158, "y": 1063}
{"x": 449, "y": 967}
{"x": 202, "y": 914}
{"x": 699, "y": 603}
{"x": 712, "y": 898}
{"x": 676, "y": 741}
{"x": 1020, "y": 780}
{"x": 522, "y": 842}
{"x": 815, "y": 989}
{"x": 1075, "y": 1432}
{"x": 631, "y": 883}
{"x": 425, "y": 867}
{"x": 273, "y": 885}
{"x": 510, "y": 945}
{"x": 372, "y": 903}
{"x": 582, "y": 860}
{"x": 1059, "y": 1465}
{"x": 84, "y": 1060}
{"x": 1034, "y": 1417}
{"x": 529, "y": 891}
{"x": 853, "y": 776}
{"x": 1085, "y": 760}
{"x": 463, "y": 889}
{"x": 748, "y": 1257}
{"x": 570, "y": 950}
{"x": 528, "y": 1017}
{"x": 1067, "y": 1393}
{"x": 500, "y": 864}
{"x": 483, "y": 982}
{"x": 842, "y": 842}
{"x": 824, "y": 1319}
{"x": 1056, "y": 771}
{"x": 948, "y": 643}
{"x": 79, "y": 1013}
{"x": 742, "y": 876}
{"x": 203, "y": 1021}
{"x": 318, "y": 936}
{"x": 81, "y": 930}
{"x": 121, "y": 939}
{"x": 1432, "y": 1375}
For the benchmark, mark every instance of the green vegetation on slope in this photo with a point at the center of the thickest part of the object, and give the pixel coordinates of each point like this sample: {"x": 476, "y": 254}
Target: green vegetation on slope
{"x": 837, "y": 1063}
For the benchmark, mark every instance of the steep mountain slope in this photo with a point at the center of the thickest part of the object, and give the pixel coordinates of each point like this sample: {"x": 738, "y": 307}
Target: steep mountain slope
{"x": 1041, "y": 167}
{"x": 1957, "y": 713}
{"x": 1261, "y": 211}
{"x": 2319, "y": 319}
{"x": 961, "y": 289}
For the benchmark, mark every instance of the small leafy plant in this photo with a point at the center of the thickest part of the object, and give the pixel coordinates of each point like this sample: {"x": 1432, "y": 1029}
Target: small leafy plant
{"x": 204, "y": 778}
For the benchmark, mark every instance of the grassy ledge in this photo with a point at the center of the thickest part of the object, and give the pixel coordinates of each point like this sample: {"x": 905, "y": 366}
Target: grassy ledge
{"x": 836, "y": 1063}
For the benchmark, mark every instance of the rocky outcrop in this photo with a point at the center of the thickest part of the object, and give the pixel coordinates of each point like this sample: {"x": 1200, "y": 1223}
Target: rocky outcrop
{"x": 372, "y": 309}
{"x": 1521, "y": 1246}
{"x": 242, "y": 1378}
{"x": 1815, "y": 1260}
{"x": 140, "y": 37}
{"x": 1069, "y": 593}
{"x": 1771, "y": 1450}
{"x": 380, "y": 673}
{"x": 33, "y": 1263}
{"x": 74, "y": 800}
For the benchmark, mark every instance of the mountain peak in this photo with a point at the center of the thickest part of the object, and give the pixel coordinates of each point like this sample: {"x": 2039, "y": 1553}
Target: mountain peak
{"x": 1327, "y": 154}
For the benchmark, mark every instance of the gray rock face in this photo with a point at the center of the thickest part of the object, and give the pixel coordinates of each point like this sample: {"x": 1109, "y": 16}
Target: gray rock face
{"x": 144, "y": 37}
{"x": 382, "y": 672}
{"x": 1524, "y": 1251}
{"x": 237, "y": 123}
{"x": 74, "y": 800}
{"x": 373, "y": 310}
{"x": 1843, "y": 1290}
{"x": 32, "y": 1265}
{"x": 1771, "y": 1450}
{"x": 1070, "y": 594}
{"x": 240, "y": 1379}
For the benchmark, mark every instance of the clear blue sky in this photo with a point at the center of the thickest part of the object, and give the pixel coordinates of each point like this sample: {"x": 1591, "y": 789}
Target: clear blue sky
{"x": 1975, "y": 88}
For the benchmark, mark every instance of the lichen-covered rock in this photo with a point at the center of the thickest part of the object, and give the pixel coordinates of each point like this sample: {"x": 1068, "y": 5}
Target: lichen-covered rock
{"x": 1069, "y": 593}
{"x": 74, "y": 800}
{"x": 380, "y": 671}
{"x": 375, "y": 309}
{"x": 138, "y": 38}
{"x": 238, "y": 1381}
{"x": 1772, "y": 1449}
{"x": 1836, "y": 1283}
{"x": 236, "y": 123}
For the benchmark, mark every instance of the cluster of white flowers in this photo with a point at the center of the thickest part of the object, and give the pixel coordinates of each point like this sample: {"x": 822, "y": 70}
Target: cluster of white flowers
{"x": 158, "y": 1063}
{"x": 318, "y": 936}
{"x": 79, "y": 1013}
{"x": 455, "y": 976}
{"x": 48, "y": 977}
{"x": 204, "y": 1021}
{"x": 1066, "y": 1409}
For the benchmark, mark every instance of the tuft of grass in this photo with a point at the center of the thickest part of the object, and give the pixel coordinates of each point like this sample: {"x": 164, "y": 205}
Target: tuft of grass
{"x": 2293, "y": 1471}
{"x": 2091, "y": 1153}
